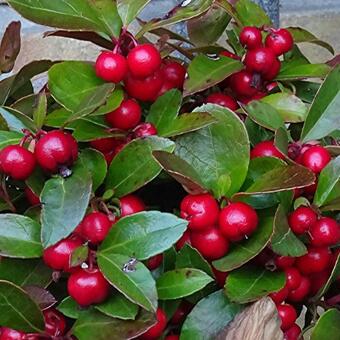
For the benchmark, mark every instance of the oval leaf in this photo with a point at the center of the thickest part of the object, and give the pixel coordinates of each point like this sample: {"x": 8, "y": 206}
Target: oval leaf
{"x": 9, "y": 138}
{"x": 70, "y": 308}
{"x": 128, "y": 10}
{"x": 328, "y": 326}
{"x": 296, "y": 72}
{"x": 250, "y": 13}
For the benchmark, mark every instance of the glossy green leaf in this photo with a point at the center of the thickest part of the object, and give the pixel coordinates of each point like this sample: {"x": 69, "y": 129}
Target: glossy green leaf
{"x": 19, "y": 237}
{"x": 241, "y": 253}
{"x": 128, "y": 10}
{"x": 86, "y": 130}
{"x": 16, "y": 120}
{"x": 65, "y": 201}
{"x": 112, "y": 103}
{"x": 127, "y": 173}
{"x": 294, "y": 72}
{"x": 209, "y": 317}
{"x": 36, "y": 181}
{"x": 248, "y": 283}
{"x": 79, "y": 256}
{"x": 18, "y": 310}
{"x": 70, "y": 308}
{"x": 323, "y": 117}
{"x": 328, "y": 326}
{"x": 40, "y": 110}
{"x": 9, "y": 138}
{"x": 143, "y": 235}
{"x": 133, "y": 280}
{"x": 281, "y": 140}
{"x": 306, "y": 90}
{"x": 251, "y": 14}
{"x": 204, "y": 72}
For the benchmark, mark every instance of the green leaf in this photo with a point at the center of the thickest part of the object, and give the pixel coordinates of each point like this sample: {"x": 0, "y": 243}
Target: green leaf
{"x": 87, "y": 130}
{"x": 95, "y": 163}
{"x": 40, "y": 110}
{"x": 217, "y": 150}
{"x": 127, "y": 173}
{"x": 70, "y": 308}
{"x": 248, "y": 283}
{"x": 143, "y": 235}
{"x": 113, "y": 101}
{"x": 19, "y": 237}
{"x": 323, "y": 117}
{"x": 204, "y": 72}
{"x": 306, "y": 90}
{"x": 291, "y": 108}
{"x": 243, "y": 252}
{"x": 18, "y": 310}
{"x": 95, "y": 325}
{"x": 36, "y": 181}
{"x": 9, "y": 138}
{"x": 16, "y": 120}
{"x": 128, "y": 10}
{"x": 118, "y": 306}
{"x": 209, "y": 317}
{"x": 135, "y": 282}
{"x": 281, "y": 140}
{"x": 181, "y": 282}
{"x": 328, "y": 326}
{"x": 251, "y": 14}
{"x": 65, "y": 201}
{"x": 99, "y": 15}
{"x": 25, "y": 272}
{"x": 284, "y": 242}
{"x": 294, "y": 72}
{"x": 327, "y": 182}
{"x": 79, "y": 256}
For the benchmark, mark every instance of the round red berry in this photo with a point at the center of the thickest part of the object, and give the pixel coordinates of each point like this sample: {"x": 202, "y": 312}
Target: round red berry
{"x": 144, "y": 60}
{"x": 105, "y": 145}
{"x": 230, "y": 55}
{"x": 11, "y": 334}
{"x": 220, "y": 277}
{"x": 283, "y": 262}
{"x": 210, "y": 243}
{"x": 172, "y": 337}
{"x": 292, "y": 333}
{"x": 280, "y": 296}
{"x": 88, "y": 286}
{"x": 301, "y": 219}
{"x": 259, "y": 60}
{"x": 293, "y": 278}
{"x": 280, "y": 41}
{"x": 31, "y": 197}
{"x": 242, "y": 84}
{"x": 185, "y": 239}
{"x": 266, "y": 149}
{"x": 174, "y": 73}
{"x": 55, "y": 322}
{"x": 131, "y": 204}
{"x": 287, "y": 315}
{"x": 273, "y": 72}
{"x": 325, "y": 232}
{"x": 156, "y": 330}
{"x": 111, "y": 67}
{"x": 181, "y": 312}
{"x": 144, "y": 130}
{"x": 238, "y": 220}
{"x": 251, "y": 37}
{"x": 56, "y": 149}
{"x": 17, "y": 162}
{"x": 316, "y": 158}
{"x": 301, "y": 292}
{"x": 223, "y": 100}
{"x": 318, "y": 280}
{"x": 200, "y": 210}
{"x": 154, "y": 262}
{"x": 95, "y": 227}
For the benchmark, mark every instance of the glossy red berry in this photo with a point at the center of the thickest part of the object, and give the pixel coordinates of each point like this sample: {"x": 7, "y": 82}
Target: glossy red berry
{"x": 265, "y": 149}
{"x": 131, "y": 204}
{"x": 301, "y": 292}
{"x": 271, "y": 86}
{"x": 11, "y": 334}
{"x": 260, "y": 60}
{"x": 144, "y": 130}
{"x": 174, "y": 73}
{"x": 105, "y": 145}
{"x": 31, "y": 197}
{"x": 301, "y": 219}
{"x": 17, "y": 162}
{"x": 325, "y": 232}
{"x": 200, "y": 210}
{"x": 210, "y": 243}
{"x": 172, "y": 337}
{"x": 181, "y": 312}
{"x": 185, "y": 239}
{"x": 280, "y": 41}
{"x": 238, "y": 220}
{"x": 222, "y": 100}
{"x": 156, "y": 330}
{"x": 230, "y": 55}
{"x": 154, "y": 262}
{"x": 56, "y": 149}
{"x": 292, "y": 333}
{"x": 280, "y": 296}
{"x": 283, "y": 262}
{"x": 58, "y": 256}
{"x": 220, "y": 277}
{"x": 316, "y": 158}
{"x": 318, "y": 280}
{"x": 144, "y": 60}
{"x": 293, "y": 278}
{"x": 316, "y": 260}
{"x": 95, "y": 227}
{"x": 273, "y": 72}
{"x": 287, "y": 315}
{"x": 55, "y": 322}
{"x": 111, "y": 67}
{"x": 88, "y": 286}
{"x": 251, "y": 37}
{"x": 242, "y": 84}
{"x": 145, "y": 89}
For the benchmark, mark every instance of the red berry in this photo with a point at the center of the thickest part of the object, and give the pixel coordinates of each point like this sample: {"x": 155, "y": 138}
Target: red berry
{"x": 238, "y": 220}
{"x": 210, "y": 243}
{"x": 144, "y": 89}
{"x": 242, "y": 84}
{"x": 56, "y": 149}
{"x": 156, "y": 330}
{"x": 325, "y": 232}
{"x": 271, "y": 86}
{"x": 172, "y": 337}
{"x": 251, "y": 37}
{"x": 105, "y": 145}
{"x": 259, "y": 60}
{"x": 230, "y": 55}
{"x": 174, "y": 73}
{"x": 280, "y": 41}
{"x": 301, "y": 219}
{"x": 144, "y": 60}
{"x": 301, "y": 292}
{"x": 318, "y": 280}
{"x": 32, "y": 198}
{"x": 181, "y": 312}
{"x": 144, "y": 130}
{"x": 55, "y": 323}
{"x": 154, "y": 262}
{"x": 58, "y": 256}
{"x": 316, "y": 158}
{"x": 185, "y": 239}
{"x": 167, "y": 86}
{"x": 111, "y": 67}
{"x": 223, "y": 100}
{"x": 17, "y": 162}
{"x": 292, "y": 333}
{"x": 95, "y": 227}
{"x": 293, "y": 278}
{"x": 283, "y": 262}
{"x": 200, "y": 210}
{"x": 126, "y": 117}
{"x": 280, "y": 296}
{"x": 11, "y": 334}
{"x": 287, "y": 315}
{"x": 131, "y": 204}
{"x": 266, "y": 149}
{"x": 220, "y": 277}
{"x": 88, "y": 286}
{"x": 273, "y": 72}
{"x": 316, "y": 260}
